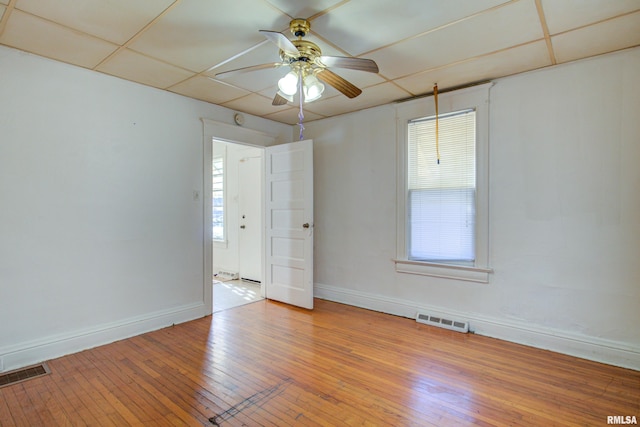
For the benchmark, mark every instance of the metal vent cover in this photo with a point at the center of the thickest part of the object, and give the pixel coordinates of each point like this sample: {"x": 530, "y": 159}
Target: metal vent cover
{"x": 23, "y": 374}
{"x": 454, "y": 325}
{"x": 227, "y": 275}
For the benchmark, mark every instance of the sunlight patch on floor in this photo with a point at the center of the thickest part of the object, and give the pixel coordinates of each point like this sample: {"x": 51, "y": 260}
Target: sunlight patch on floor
{"x": 234, "y": 293}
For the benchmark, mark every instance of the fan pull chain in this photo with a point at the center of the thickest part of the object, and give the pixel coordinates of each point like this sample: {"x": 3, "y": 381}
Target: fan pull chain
{"x": 300, "y": 114}
{"x": 435, "y": 98}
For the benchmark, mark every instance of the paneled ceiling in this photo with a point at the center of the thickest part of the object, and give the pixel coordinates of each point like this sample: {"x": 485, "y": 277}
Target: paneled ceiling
{"x": 180, "y": 45}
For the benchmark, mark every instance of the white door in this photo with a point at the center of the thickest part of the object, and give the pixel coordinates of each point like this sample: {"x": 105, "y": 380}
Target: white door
{"x": 250, "y": 218}
{"x": 289, "y": 223}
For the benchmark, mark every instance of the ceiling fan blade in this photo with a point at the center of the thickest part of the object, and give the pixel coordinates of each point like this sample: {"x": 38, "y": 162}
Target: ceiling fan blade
{"x": 279, "y": 100}
{"x": 339, "y": 83}
{"x": 360, "y": 64}
{"x": 281, "y": 41}
{"x": 243, "y": 70}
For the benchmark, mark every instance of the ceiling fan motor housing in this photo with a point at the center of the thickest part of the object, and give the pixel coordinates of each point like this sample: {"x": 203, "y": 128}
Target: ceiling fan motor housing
{"x": 299, "y": 27}
{"x": 308, "y": 51}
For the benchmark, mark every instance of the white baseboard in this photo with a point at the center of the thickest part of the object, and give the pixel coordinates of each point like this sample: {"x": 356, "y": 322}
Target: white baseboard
{"x": 585, "y": 347}
{"x": 29, "y": 353}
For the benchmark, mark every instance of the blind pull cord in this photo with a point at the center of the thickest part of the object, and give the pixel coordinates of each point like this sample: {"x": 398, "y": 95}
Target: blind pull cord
{"x": 435, "y": 98}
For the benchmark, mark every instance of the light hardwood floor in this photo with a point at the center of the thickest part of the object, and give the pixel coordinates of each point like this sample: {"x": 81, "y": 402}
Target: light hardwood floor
{"x": 268, "y": 364}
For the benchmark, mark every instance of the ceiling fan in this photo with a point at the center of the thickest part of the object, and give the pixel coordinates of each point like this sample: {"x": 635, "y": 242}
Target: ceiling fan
{"x": 308, "y": 66}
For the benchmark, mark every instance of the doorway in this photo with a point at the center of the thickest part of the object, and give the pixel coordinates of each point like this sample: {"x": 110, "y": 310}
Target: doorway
{"x": 237, "y": 212}
{"x": 288, "y": 214}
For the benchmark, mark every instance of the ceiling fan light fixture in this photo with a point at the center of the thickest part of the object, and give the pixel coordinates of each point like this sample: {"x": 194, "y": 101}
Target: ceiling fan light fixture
{"x": 288, "y": 85}
{"x": 313, "y": 88}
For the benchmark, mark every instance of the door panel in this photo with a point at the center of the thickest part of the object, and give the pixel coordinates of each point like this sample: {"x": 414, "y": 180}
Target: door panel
{"x": 289, "y": 223}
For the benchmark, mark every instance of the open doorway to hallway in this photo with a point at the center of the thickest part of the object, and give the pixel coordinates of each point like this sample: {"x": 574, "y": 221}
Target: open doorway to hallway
{"x": 237, "y": 217}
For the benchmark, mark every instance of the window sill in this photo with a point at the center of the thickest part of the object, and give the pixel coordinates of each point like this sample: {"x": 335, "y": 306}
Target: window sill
{"x": 447, "y": 271}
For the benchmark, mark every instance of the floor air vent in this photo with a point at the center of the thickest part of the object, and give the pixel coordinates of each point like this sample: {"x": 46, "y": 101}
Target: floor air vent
{"x": 454, "y": 325}
{"x": 19, "y": 375}
{"x": 226, "y": 275}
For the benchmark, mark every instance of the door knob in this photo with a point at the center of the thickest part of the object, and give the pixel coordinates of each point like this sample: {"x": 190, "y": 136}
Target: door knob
{"x": 305, "y": 225}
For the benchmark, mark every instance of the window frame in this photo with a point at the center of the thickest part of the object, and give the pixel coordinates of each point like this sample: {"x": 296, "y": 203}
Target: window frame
{"x": 476, "y": 98}
{"x": 220, "y": 153}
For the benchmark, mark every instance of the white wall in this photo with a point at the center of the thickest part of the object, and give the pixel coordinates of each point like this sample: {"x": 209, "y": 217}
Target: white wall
{"x": 564, "y": 213}
{"x": 100, "y": 235}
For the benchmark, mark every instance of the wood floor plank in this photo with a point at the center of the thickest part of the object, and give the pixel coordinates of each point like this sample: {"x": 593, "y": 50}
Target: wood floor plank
{"x": 124, "y": 387}
{"x": 18, "y": 415}
{"x": 36, "y": 391}
{"x": 5, "y": 411}
{"x": 268, "y": 364}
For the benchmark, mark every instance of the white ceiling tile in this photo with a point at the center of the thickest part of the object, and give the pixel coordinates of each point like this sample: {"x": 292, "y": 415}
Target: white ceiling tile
{"x": 205, "y": 89}
{"x": 370, "y": 97}
{"x": 289, "y": 116}
{"x": 511, "y": 61}
{"x": 569, "y": 14}
{"x": 252, "y": 104}
{"x": 298, "y": 9}
{"x": 35, "y": 35}
{"x": 198, "y": 34}
{"x": 142, "y": 69}
{"x": 511, "y": 25}
{"x": 361, "y": 26}
{"x": 255, "y": 81}
{"x": 114, "y": 20}
{"x": 596, "y": 39}
{"x": 270, "y": 91}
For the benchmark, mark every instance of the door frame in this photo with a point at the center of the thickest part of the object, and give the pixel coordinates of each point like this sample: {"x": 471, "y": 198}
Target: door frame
{"x": 236, "y": 135}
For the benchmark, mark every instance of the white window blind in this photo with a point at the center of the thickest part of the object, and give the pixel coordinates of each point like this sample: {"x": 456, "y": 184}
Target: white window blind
{"x": 441, "y": 210}
{"x": 218, "y": 198}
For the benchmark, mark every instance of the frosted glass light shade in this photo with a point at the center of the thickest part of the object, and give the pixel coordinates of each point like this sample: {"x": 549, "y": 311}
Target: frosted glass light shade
{"x": 313, "y": 88}
{"x": 289, "y": 83}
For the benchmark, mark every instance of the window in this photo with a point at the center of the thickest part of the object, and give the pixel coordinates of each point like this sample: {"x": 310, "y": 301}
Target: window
{"x": 217, "y": 190}
{"x": 442, "y": 192}
{"x": 443, "y": 209}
